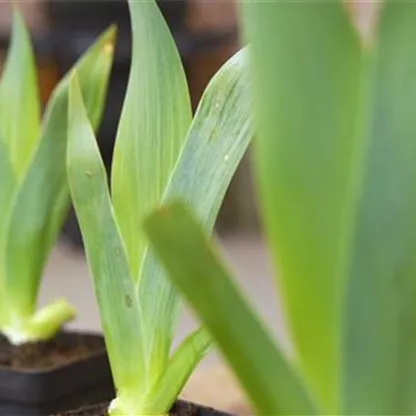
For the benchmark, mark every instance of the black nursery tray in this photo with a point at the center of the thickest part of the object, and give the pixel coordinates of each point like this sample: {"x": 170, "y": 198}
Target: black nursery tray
{"x": 70, "y": 371}
{"x": 181, "y": 408}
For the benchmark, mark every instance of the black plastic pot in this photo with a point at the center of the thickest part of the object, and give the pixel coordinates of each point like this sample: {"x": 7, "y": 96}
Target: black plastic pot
{"x": 38, "y": 393}
{"x": 181, "y": 408}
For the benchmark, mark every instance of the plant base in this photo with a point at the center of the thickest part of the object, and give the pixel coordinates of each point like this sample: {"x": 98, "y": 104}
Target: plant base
{"x": 181, "y": 408}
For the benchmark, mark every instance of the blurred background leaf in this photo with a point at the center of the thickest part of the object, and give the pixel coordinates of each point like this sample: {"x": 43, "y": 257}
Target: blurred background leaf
{"x": 380, "y": 314}
{"x": 306, "y": 68}
{"x": 42, "y": 201}
{"x": 19, "y": 99}
{"x": 269, "y": 380}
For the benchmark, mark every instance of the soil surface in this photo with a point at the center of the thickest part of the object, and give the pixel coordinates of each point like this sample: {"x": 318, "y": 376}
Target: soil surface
{"x": 65, "y": 348}
{"x": 179, "y": 409}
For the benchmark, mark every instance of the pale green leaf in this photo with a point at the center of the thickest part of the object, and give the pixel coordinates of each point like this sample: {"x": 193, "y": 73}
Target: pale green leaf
{"x": 153, "y": 125}
{"x": 19, "y": 99}
{"x": 107, "y": 258}
{"x": 380, "y": 344}
{"x": 269, "y": 380}
{"x": 7, "y": 189}
{"x": 43, "y": 198}
{"x": 306, "y": 71}
{"x": 216, "y": 142}
{"x": 43, "y": 325}
{"x": 181, "y": 365}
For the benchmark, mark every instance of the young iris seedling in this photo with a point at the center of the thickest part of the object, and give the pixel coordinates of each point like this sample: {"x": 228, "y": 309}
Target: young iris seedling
{"x": 34, "y": 195}
{"x": 336, "y": 167}
{"x": 160, "y": 152}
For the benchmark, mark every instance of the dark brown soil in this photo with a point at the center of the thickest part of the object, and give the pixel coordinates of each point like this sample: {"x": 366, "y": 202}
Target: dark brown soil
{"x": 98, "y": 410}
{"x": 64, "y": 349}
{"x": 179, "y": 409}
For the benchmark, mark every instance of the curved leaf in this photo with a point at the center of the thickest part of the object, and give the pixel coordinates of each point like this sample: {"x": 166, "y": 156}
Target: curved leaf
{"x": 19, "y": 99}
{"x": 216, "y": 142}
{"x": 193, "y": 264}
{"x": 153, "y": 125}
{"x": 166, "y": 389}
{"x": 43, "y": 198}
{"x": 107, "y": 258}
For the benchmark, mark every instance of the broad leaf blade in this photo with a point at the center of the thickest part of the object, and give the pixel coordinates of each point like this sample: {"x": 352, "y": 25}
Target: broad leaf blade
{"x": 43, "y": 198}
{"x": 267, "y": 377}
{"x": 180, "y": 367}
{"x": 216, "y": 142}
{"x": 153, "y": 125}
{"x": 19, "y": 99}
{"x": 380, "y": 343}
{"x": 107, "y": 259}
{"x": 306, "y": 69}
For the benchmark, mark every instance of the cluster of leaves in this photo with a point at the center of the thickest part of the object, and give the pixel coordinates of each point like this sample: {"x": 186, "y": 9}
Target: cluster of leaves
{"x": 34, "y": 195}
{"x": 160, "y": 152}
{"x": 335, "y": 165}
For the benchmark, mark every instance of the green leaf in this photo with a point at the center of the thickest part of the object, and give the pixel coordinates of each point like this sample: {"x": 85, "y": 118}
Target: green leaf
{"x": 19, "y": 99}
{"x": 7, "y": 188}
{"x": 380, "y": 316}
{"x": 153, "y": 125}
{"x": 216, "y": 142}
{"x": 166, "y": 389}
{"x": 107, "y": 258}
{"x": 306, "y": 66}
{"x": 43, "y": 198}
{"x": 45, "y": 323}
{"x": 194, "y": 266}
